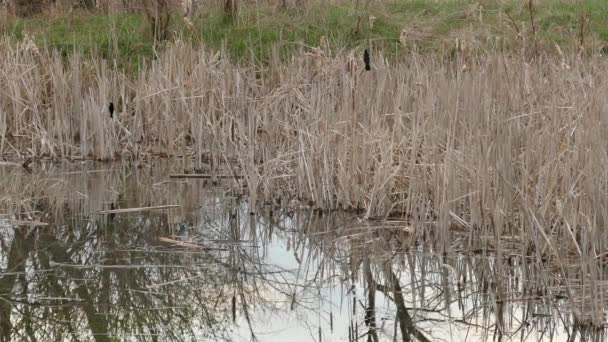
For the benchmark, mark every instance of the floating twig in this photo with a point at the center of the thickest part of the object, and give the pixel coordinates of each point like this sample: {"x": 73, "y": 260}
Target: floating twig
{"x": 132, "y": 210}
{"x": 203, "y": 176}
{"x": 27, "y": 223}
{"x": 179, "y": 243}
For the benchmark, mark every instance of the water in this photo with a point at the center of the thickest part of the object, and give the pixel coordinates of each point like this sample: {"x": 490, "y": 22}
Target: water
{"x": 207, "y": 270}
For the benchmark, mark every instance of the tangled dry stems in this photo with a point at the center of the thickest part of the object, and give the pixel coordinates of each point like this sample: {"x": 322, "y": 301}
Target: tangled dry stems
{"x": 503, "y": 146}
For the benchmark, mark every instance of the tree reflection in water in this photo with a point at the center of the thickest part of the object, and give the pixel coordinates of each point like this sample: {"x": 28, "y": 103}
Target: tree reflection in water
{"x": 208, "y": 270}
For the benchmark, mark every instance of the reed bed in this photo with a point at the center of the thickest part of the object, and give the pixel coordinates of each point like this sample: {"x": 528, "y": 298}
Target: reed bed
{"x": 496, "y": 145}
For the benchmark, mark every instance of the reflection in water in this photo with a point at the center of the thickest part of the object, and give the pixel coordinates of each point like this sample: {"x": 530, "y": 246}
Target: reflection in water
{"x": 209, "y": 271}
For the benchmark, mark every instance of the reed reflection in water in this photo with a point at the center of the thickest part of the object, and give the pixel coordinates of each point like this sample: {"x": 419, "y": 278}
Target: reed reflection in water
{"x": 203, "y": 268}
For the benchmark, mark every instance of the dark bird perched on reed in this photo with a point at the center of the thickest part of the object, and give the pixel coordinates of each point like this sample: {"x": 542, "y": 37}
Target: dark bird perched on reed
{"x": 111, "y": 109}
{"x": 112, "y": 215}
{"x": 366, "y": 59}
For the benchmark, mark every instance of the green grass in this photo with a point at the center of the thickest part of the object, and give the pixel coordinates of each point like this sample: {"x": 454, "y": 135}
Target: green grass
{"x": 123, "y": 38}
{"x": 291, "y": 32}
{"x": 120, "y": 37}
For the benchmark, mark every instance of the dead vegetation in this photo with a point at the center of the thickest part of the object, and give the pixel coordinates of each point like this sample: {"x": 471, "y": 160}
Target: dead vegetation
{"x": 501, "y": 145}
{"x": 158, "y": 15}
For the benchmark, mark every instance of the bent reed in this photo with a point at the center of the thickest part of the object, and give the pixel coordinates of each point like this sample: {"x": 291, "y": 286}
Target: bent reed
{"x": 496, "y": 144}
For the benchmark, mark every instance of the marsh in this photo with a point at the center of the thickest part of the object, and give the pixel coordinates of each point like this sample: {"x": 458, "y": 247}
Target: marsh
{"x": 205, "y": 269}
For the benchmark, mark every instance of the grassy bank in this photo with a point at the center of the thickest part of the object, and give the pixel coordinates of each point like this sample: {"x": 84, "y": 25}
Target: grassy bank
{"x": 394, "y": 27}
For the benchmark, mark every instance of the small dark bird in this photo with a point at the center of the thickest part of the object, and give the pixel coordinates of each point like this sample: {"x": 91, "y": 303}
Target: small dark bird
{"x": 366, "y": 59}
{"x": 26, "y": 165}
{"x": 111, "y": 109}
{"x": 111, "y": 215}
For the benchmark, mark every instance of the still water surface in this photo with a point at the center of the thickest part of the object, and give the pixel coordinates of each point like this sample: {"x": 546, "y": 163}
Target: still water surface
{"x": 205, "y": 269}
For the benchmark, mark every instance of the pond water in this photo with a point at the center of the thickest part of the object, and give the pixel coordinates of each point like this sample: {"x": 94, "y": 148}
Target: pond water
{"x": 200, "y": 267}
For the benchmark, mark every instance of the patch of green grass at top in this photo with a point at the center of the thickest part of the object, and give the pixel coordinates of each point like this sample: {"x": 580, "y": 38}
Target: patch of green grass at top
{"x": 443, "y": 16}
{"x": 252, "y": 36}
{"x": 559, "y": 21}
{"x": 408, "y": 9}
{"x": 125, "y": 38}
{"x": 565, "y": 17}
{"x": 118, "y": 38}
{"x": 255, "y": 34}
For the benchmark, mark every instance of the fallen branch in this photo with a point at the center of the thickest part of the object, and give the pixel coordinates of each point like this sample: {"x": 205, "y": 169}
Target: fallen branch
{"x": 205, "y": 176}
{"x": 27, "y": 223}
{"x": 179, "y": 243}
{"x": 133, "y": 210}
